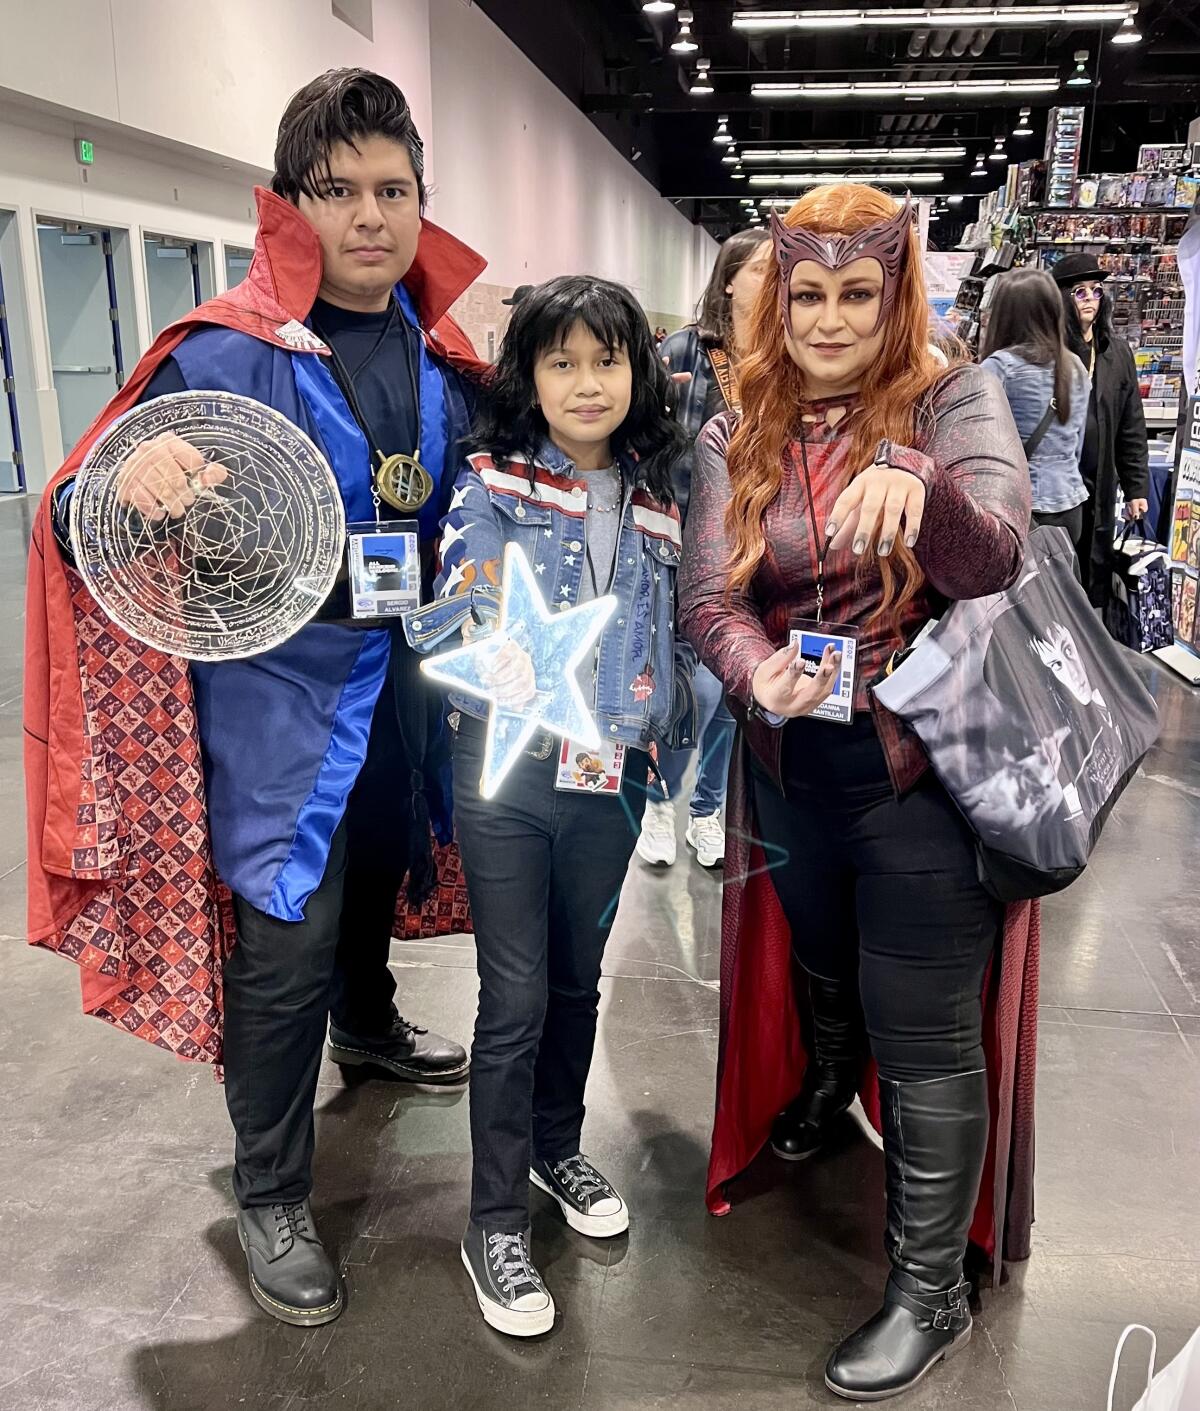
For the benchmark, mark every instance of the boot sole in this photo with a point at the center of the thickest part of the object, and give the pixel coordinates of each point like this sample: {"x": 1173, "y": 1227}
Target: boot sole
{"x": 361, "y": 1058}
{"x": 599, "y": 1227}
{"x": 285, "y": 1312}
{"x": 947, "y": 1352}
{"x": 513, "y": 1325}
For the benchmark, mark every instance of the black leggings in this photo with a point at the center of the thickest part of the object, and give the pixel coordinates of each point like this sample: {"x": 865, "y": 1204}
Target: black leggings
{"x": 883, "y": 887}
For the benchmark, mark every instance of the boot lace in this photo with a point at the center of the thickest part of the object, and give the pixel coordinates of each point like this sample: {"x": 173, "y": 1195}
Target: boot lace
{"x": 291, "y": 1218}
{"x": 509, "y": 1255}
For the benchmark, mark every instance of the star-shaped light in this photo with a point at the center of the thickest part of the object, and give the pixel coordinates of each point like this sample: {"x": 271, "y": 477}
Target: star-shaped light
{"x": 558, "y": 644}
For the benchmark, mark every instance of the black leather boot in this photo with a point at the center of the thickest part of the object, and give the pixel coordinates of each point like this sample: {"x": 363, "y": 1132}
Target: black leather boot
{"x": 935, "y": 1139}
{"x": 291, "y": 1276}
{"x": 831, "y": 1078}
{"x": 405, "y": 1051}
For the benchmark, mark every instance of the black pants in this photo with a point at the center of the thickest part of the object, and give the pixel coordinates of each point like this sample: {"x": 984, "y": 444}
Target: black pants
{"x": 285, "y": 977}
{"x": 884, "y": 889}
{"x": 544, "y": 871}
{"x": 1070, "y": 520}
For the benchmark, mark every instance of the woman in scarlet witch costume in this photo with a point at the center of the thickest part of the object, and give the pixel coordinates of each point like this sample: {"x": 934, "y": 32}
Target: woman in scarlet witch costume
{"x": 865, "y": 484}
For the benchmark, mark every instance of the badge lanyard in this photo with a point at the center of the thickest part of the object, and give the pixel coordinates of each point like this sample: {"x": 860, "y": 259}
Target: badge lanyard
{"x": 400, "y": 480}
{"x": 820, "y": 546}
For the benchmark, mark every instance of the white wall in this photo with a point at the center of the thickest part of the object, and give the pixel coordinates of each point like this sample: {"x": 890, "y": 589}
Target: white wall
{"x": 525, "y": 178}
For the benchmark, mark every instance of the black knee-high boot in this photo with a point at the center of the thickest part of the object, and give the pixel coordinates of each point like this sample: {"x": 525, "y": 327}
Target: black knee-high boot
{"x": 935, "y": 1139}
{"x": 831, "y": 1078}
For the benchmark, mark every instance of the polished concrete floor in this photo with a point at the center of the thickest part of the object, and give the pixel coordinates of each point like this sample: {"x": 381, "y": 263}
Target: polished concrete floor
{"x": 123, "y": 1285}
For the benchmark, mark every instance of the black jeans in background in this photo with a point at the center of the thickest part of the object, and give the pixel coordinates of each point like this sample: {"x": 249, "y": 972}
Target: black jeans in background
{"x": 284, "y": 977}
{"x": 885, "y": 889}
{"x": 544, "y": 871}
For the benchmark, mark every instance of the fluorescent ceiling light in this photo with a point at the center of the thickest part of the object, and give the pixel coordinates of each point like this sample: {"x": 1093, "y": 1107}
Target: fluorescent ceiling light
{"x": 857, "y": 154}
{"x": 955, "y": 200}
{"x": 896, "y": 178}
{"x": 930, "y": 88}
{"x": 953, "y": 16}
{"x": 1128, "y": 33}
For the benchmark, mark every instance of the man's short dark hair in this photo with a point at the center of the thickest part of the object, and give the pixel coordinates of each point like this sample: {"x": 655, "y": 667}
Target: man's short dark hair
{"x": 342, "y": 105}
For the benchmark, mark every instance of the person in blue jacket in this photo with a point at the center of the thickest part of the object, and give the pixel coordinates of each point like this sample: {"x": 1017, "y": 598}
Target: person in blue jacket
{"x": 324, "y": 761}
{"x": 573, "y": 463}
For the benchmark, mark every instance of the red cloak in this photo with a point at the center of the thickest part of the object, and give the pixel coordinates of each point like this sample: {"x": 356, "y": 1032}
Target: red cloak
{"x": 120, "y": 869}
{"x": 761, "y": 1057}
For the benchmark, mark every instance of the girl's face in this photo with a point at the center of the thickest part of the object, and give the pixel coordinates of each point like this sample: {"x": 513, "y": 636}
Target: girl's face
{"x": 584, "y": 390}
{"x": 833, "y": 313}
{"x": 744, "y": 286}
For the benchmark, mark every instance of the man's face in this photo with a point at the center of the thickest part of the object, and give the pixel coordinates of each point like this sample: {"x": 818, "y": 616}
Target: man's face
{"x": 368, "y": 219}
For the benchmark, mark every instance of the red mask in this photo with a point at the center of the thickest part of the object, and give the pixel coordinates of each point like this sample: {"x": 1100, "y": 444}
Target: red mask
{"x": 886, "y": 242}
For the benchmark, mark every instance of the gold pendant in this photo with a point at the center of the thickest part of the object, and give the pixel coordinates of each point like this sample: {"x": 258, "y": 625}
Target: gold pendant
{"x": 402, "y": 482}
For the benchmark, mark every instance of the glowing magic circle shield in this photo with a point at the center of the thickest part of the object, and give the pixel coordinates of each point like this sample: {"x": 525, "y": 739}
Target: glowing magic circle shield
{"x": 245, "y": 566}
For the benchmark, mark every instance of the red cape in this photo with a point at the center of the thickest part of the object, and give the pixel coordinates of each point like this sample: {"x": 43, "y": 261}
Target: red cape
{"x": 761, "y": 1057}
{"x": 123, "y": 889}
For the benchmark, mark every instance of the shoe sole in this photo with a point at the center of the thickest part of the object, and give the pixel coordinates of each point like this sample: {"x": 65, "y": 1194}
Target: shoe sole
{"x": 795, "y": 1156}
{"x": 599, "y": 1227}
{"x": 656, "y": 861}
{"x": 361, "y": 1058}
{"x": 514, "y": 1325}
{"x": 285, "y": 1312}
{"x": 947, "y": 1352}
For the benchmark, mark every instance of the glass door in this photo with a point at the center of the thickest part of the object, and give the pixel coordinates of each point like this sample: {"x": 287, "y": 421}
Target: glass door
{"x": 179, "y": 277}
{"x": 79, "y": 280}
{"x": 12, "y": 468}
{"x": 237, "y": 262}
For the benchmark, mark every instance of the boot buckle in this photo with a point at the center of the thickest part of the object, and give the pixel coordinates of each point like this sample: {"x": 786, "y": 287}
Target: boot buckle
{"x": 943, "y": 1319}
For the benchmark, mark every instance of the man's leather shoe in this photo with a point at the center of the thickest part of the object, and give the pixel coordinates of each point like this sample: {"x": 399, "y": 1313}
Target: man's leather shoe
{"x": 405, "y": 1051}
{"x": 291, "y": 1276}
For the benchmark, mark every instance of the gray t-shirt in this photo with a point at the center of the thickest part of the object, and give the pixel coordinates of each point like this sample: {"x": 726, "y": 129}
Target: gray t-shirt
{"x": 602, "y": 530}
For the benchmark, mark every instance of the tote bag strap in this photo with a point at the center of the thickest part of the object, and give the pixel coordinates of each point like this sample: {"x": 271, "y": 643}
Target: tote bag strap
{"x": 1112, "y": 1381}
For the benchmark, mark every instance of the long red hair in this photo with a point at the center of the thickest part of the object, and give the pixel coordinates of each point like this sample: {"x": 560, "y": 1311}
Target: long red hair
{"x": 773, "y": 393}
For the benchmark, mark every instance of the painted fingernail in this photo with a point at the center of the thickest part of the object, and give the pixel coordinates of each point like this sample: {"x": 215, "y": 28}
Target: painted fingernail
{"x": 860, "y": 544}
{"x": 831, "y": 529}
{"x": 885, "y": 547}
{"x": 911, "y": 541}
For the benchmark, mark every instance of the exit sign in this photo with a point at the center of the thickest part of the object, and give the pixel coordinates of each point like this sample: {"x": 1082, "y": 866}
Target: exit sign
{"x": 85, "y": 151}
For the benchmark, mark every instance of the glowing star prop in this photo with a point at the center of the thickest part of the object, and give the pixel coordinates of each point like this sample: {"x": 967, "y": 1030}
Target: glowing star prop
{"x": 558, "y": 643}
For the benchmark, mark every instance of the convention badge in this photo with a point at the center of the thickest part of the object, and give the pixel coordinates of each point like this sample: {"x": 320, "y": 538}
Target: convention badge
{"x": 583, "y": 770}
{"x": 383, "y": 561}
{"x": 813, "y": 637}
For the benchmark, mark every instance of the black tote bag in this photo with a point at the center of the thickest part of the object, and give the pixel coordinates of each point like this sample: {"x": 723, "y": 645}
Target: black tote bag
{"x": 1033, "y": 718}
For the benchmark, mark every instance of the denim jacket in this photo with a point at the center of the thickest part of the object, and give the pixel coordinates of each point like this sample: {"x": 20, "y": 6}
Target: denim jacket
{"x": 644, "y": 678}
{"x": 1054, "y": 466}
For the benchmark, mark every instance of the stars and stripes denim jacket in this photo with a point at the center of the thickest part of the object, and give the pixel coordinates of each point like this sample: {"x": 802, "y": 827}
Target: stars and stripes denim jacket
{"x": 643, "y": 673}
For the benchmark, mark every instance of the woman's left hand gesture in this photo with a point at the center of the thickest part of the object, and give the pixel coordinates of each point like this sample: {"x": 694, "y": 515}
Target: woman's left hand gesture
{"x": 880, "y": 498}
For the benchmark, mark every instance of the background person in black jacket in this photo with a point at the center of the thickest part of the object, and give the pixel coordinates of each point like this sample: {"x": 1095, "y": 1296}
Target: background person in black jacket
{"x": 1114, "y": 447}
{"x": 723, "y": 315}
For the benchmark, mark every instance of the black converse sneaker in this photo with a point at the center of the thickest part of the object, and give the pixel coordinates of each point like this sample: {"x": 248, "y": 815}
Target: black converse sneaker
{"x": 512, "y": 1297}
{"x": 591, "y": 1204}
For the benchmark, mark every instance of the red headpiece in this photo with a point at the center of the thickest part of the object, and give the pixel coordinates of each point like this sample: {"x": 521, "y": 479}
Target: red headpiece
{"x": 886, "y": 242}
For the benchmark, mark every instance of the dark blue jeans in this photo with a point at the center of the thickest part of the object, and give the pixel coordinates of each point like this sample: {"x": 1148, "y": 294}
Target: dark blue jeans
{"x": 714, "y": 733}
{"x": 544, "y": 872}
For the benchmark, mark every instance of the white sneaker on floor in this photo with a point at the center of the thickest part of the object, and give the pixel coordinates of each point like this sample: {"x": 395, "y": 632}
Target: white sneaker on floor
{"x": 707, "y": 835}
{"x": 656, "y": 843}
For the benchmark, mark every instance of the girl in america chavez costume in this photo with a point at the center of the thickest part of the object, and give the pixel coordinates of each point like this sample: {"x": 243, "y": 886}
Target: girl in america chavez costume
{"x": 866, "y": 483}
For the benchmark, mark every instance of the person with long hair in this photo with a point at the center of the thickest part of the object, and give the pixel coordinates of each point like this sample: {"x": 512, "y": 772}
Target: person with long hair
{"x": 1047, "y": 390}
{"x": 703, "y": 359}
{"x": 866, "y": 481}
{"x": 1115, "y": 452}
{"x": 571, "y": 461}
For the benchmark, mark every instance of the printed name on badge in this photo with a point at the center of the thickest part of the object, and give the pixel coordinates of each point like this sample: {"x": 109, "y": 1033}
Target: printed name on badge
{"x": 384, "y": 565}
{"x": 813, "y": 639}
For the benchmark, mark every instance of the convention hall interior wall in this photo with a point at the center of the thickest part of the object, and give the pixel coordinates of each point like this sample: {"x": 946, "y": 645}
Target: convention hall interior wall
{"x": 517, "y": 171}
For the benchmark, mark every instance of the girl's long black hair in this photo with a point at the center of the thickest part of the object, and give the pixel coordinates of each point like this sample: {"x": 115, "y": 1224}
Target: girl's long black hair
{"x": 509, "y": 422}
{"x": 1026, "y": 316}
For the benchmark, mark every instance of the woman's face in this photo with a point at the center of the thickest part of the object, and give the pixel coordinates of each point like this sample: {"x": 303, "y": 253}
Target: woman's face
{"x": 744, "y": 286}
{"x": 832, "y": 337}
{"x": 1087, "y": 295}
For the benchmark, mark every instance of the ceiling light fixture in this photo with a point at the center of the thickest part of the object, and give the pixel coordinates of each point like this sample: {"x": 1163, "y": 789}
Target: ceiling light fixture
{"x": 730, "y": 156}
{"x": 1023, "y": 129}
{"x": 701, "y": 82}
{"x": 658, "y": 7}
{"x": 896, "y": 178}
{"x": 1128, "y": 33}
{"x": 953, "y": 16}
{"x": 929, "y": 88}
{"x": 738, "y": 174}
{"x": 998, "y": 154}
{"x": 857, "y": 154}
{"x": 721, "y": 137}
{"x": 1080, "y": 78}
{"x": 955, "y": 200}
{"x": 684, "y": 43}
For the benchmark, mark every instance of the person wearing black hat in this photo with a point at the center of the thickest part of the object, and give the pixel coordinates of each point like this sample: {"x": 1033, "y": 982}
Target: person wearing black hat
{"x": 518, "y": 294}
{"x": 1114, "y": 447}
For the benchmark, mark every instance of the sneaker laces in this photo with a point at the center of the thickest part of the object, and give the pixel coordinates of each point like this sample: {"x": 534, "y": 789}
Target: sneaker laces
{"x": 292, "y": 1217}
{"x": 581, "y": 1178}
{"x": 707, "y": 830}
{"x": 511, "y": 1261}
